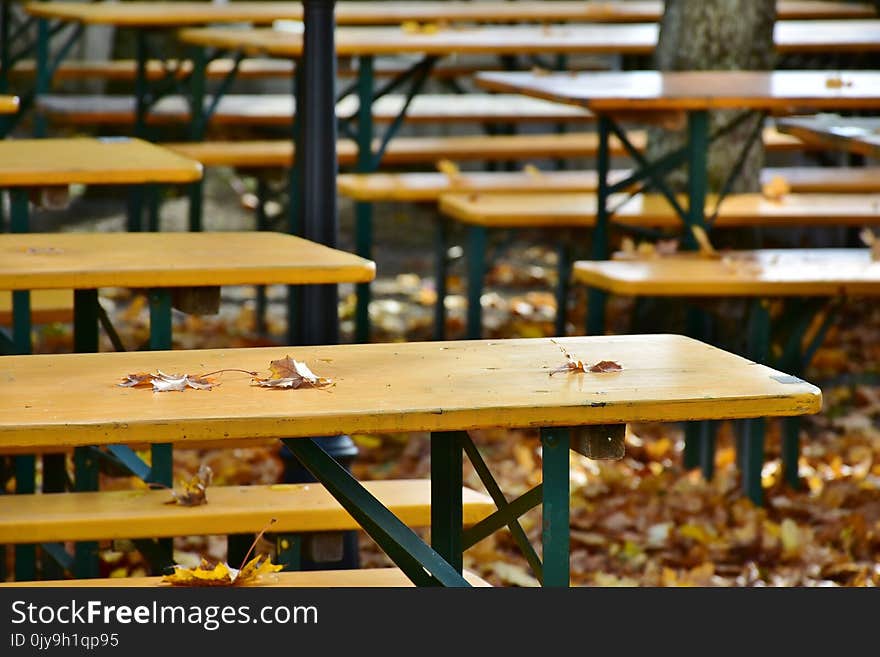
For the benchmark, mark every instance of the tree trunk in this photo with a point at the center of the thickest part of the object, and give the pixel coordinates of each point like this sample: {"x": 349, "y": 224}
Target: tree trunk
{"x": 717, "y": 35}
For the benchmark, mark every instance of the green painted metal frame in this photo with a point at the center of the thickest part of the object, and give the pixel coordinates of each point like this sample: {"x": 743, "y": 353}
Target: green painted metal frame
{"x": 423, "y": 565}
{"x": 446, "y": 502}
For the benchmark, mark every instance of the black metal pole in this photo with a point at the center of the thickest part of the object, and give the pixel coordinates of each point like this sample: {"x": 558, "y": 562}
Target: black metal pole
{"x": 316, "y": 321}
{"x": 319, "y": 320}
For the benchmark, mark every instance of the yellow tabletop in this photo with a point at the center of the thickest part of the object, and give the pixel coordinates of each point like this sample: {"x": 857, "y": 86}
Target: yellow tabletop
{"x": 168, "y": 14}
{"x": 634, "y": 38}
{"x": 777, "y": 91}
{"x": 32, "y": 261}
{"x": 763, "y": 273}
{"x": 74, "y": 399}
{"x": 8, "y": 104}
{"x": 853, "y": 134}
{"x": 653, "y": 210}
{"x": 107, "y": 161}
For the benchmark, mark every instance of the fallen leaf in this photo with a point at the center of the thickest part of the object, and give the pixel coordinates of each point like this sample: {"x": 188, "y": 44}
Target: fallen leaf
{"x": 162, "y": 382}
{"x": 194, "y": 490}
{"x": 139, "y": 379}
{"x": 450, "y": 170}
{"x": 606, "y": 366}
{"x": 776, "y": 188}
{"x": 289, "y": 373}
{"x": 869, "y": 238}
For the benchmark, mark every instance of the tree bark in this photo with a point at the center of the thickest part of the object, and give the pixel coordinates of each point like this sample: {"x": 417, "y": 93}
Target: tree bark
{"x": 717, "y": 35}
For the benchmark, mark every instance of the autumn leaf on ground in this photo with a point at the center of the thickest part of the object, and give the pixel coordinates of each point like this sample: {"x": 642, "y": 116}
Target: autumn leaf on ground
{"x": 194, "y": 490}
{"x": 575, "y": 365}
{"x": 450, "y": 170}
{"x": 702, "y": 237}
{"x": 289, "y": 373}
{"x": 869, "y": 238}
{"x": 776, "y": 188}
{"x": 222, "y": 574}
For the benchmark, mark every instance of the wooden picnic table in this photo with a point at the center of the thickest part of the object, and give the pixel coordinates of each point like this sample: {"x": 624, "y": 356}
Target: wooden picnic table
{"x": 446, "y": 388}
{"x": 8, "y": 104}
{"x": 853, "y": 134}
{"x": 165, "y": 14}
{"x": 654, "y": 94}
{"x": 803, "y": 281}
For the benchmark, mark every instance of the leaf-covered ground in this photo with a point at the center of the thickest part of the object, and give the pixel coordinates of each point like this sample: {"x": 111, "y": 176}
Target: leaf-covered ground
{"x": 639, "y": 521}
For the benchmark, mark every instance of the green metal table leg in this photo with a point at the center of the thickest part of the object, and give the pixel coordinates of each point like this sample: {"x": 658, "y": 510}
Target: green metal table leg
{"x": 696, "y": 434}
{"x": 556, "y": 527}
{"x": 85, "y": 559}
{"x": 25, "y": 483}
{"x": 476, "y": 270}
{"x": 364, "y": 211}
{"x": 161, "y": 457}
{"x": 197, "y": 131}
{"x": 446, "y": 503}
{"x": 753, "y": 440}
{"x": 44, "y": 76}
{"x": 791, "y": 429}
{"x": 596, "y": 298}
{"x": 708, "y": 436}
{"x": 21, "y": 300}
{"x": 154, "y": 199}
{"x": 262, "y": 305}
{"x": 698, "y": 154}
{"x": 141, "y": 89}
{"x": 563, "y": 269}
{"x": 419, "y": 562}
{"x": 441, "y": 246}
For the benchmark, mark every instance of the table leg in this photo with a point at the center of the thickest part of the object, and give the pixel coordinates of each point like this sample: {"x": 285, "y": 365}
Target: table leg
{"x": 556, "y": 528}
{"x": 752, "y": 459}
{"x": 197, "y": 131}
{"x": 25, "y": 483}
{"x": 141, "y": 89}
{"x": 698, "y": 154}
{"x": 21, "y": 300}
{"x": 446, "y": 503}
{"x": 44, "y": 75}
{"x": 420, "y": 563}
{"x": 161, "y": 456}
{"x": 596, "y": 298}
{"x": 294, "y": 203}
{"x": 476, "y": 268}
{"x": 364, "y": 210}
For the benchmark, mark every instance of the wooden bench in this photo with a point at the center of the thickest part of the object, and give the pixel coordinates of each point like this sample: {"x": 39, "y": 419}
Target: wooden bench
{"x": 141, "y": 513}
{"x": 359, "y": 578}
{"x": 426, "y": 187}
{"x": 278, "y": 109}
{"x": 446, "y": 388}
{"x": 796, "y": 278}
{"x": 578, "y": 211}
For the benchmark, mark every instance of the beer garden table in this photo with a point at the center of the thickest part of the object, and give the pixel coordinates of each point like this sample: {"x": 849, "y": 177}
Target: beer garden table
{"x": 445, "y": 388}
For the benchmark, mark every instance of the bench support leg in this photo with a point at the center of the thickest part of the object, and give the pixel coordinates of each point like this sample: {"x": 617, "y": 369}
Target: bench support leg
{"x": 197, "y": 131}
{"x": 698, "y": 155}
{"x": 752, "y": 443}
{"x": 556, "y": 530}
{"x": 44, "y": 75}
{"x": 476, "y": 268}
{"x": 21, "y": 300}
{"x": 419, "y": 562}
{"x": 446, "y": 502}
{"x": 85, "y": 555}
{"x": 596, "y": 298}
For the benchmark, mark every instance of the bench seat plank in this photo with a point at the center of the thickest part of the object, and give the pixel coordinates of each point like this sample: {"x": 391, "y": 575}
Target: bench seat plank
{"x": 761, "y": 273}
{"x": 428, "y": 186}
{"x": 363, "y": 577}
{"x": 256, "y": 154}
{"x": 31, "y": 261}
{"x": 278, "y": 109}
{"x": 378, "y": 388}
{"x": 144, "y": 513}
{"x": 652, "y": 210}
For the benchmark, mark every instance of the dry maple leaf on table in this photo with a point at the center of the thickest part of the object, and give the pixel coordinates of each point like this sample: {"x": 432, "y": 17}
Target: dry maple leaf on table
{"x": 575, "y": 365}
{"x": 289, "y": 373}
{"x": 161, "y": 382}
{"x": 222, "y": 574}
